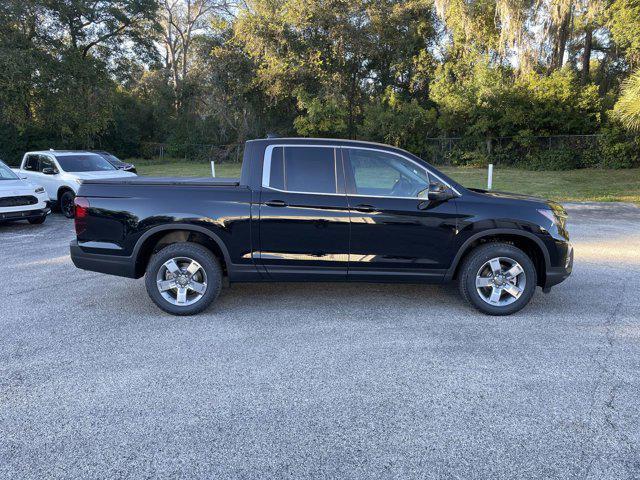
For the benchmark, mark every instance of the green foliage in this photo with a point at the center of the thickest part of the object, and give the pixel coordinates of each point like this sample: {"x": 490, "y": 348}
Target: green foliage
{"x": 115, "y": 75}
{"x": 557, "y": 159}
{"x": 627, "y": 110}
{"x": 624, "y": 24}
{"x": 618, "y": 149}
{"x": 485, "y": 101}
{"x": 399, "y": 122}
{"x": 324, "y": 116}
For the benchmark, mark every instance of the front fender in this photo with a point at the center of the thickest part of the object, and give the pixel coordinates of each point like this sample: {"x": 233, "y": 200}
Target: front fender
{"x": 513, "y": 232}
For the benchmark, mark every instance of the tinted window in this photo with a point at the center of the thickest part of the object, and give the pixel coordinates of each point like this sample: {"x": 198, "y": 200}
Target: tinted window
{"x": 303, "y": 169}
{"x": 46, "y": 162}
{"x": 276, "y": 180}
{"x": 84, "y": 163}
{"x": 6, "y": 173}
{"x": 31, "y": 163}
{"x": 378, "y": 173}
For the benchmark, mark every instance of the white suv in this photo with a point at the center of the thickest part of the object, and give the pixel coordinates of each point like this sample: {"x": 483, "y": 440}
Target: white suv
{"x": 21, "y": 200}
{"x": 61, "y": 172}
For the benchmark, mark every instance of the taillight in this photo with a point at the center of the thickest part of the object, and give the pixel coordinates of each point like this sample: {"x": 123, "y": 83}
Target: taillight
{"x": 82, "y": 212}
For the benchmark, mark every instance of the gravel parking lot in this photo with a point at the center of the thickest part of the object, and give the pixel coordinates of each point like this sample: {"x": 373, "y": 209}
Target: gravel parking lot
{"x": 320, "y": 380}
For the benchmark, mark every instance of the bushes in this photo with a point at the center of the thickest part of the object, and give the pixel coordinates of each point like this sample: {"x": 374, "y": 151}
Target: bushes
{"x": 557, "y": 159}
{"x": 617, "y": 149}
{"x": 613, "y": 150}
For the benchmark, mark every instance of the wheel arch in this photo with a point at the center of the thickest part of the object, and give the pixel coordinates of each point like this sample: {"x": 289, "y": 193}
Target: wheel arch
{"x": 528, "y": 242}
{"x": 163, "y": 235}
{"x": 62, "y": 189}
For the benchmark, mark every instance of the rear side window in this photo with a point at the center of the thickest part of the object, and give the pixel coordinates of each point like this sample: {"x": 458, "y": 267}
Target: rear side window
{"x": 303, "y": 169}
{"x": 31, "y": 163}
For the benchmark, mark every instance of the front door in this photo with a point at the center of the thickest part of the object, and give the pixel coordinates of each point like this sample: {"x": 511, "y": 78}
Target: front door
{"x": 50, "y": 182}
{"x": 396, "y": 233}
{"x": 304, "y": 217}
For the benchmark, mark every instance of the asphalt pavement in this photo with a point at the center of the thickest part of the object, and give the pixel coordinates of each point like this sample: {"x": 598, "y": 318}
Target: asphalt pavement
{"x": 320, "y": 380}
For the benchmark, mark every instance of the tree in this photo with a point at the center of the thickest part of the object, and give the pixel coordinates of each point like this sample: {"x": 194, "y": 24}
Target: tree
{"x": 338, "y": 52}
{"x": 624, "y": 24}
{"x": 105, "y": 25}
{"x": 181, "y": 21}
{"x": 627, "y": 109}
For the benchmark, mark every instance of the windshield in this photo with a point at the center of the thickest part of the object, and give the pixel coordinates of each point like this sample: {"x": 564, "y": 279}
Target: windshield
{"x": 6, "y": 173}
{"x": 83, "y": 163}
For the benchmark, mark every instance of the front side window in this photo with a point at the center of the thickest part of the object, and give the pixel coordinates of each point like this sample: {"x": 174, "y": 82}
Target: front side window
{"x": 381, "y": 174}
{"x": 303, "y": 169}
{"x": 6, "y": 173}
{"x": 84, "y": 163}
{"x": 46, "y": 162}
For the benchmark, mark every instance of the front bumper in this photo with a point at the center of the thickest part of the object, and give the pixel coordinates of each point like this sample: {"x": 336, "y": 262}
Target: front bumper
{"x": 555, "y": 275}
{"x": 24, "y": 214}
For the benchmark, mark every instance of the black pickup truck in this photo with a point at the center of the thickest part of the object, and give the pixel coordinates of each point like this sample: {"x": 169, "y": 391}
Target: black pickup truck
{"x": 320, "y": 210}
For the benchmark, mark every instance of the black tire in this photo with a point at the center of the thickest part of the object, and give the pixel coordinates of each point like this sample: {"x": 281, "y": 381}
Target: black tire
{"x": 200, "y": 254}
{"x": 37, "y": 220}
{"x": 477, "y": 258}
{"x": 66, "y": 204}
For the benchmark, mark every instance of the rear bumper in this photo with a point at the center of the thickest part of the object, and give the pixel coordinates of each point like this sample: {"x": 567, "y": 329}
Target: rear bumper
{"x": 24, "y": 214}
{"x": 109, "y": 264}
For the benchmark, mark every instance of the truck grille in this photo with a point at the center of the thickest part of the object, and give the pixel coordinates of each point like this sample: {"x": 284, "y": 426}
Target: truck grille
{"x": 18, "y": 201}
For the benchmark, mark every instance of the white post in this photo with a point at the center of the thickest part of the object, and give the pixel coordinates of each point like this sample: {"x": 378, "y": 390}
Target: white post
{"x": 490, "y": 177}
{"x": 213, "y": 169}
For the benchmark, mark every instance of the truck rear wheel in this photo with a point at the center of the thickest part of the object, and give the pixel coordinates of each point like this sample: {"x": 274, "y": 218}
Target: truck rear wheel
{"x": 497, "y": 279}
{"x": 183, "y": 278}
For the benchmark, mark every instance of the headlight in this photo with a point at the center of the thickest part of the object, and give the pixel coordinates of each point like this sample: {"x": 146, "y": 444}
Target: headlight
{"x": 39, "y": 190}
{"x": 558, "y": 217}
{"x": 550, "y": 215}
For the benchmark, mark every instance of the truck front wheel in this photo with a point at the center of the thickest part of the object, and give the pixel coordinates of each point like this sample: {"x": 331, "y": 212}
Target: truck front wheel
{"x": 183, "y": 278}
{"x": 497, "y": 278}
{"x": 66, "y": 204}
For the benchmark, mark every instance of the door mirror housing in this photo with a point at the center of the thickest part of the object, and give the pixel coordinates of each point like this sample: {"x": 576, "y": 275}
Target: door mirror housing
{"x": 438, "y": 192}
{"x": 49, "y": 171}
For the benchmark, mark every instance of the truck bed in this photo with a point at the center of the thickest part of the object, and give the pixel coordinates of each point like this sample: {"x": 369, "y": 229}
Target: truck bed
{"x": 148, "y": 181}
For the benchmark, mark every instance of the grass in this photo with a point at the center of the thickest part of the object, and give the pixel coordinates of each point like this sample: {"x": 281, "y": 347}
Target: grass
{"x": 593, "y": 185}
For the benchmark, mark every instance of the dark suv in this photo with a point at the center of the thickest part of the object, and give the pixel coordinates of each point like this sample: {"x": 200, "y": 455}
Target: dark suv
{"x": 116, "y": 162}
{"x": 321, "y": 210}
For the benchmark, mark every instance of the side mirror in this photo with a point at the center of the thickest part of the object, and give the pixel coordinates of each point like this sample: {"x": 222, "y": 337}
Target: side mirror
{"x": 438, "y": 192}
{"x": 23, "y": 177}
{"x": 49, "y": 171}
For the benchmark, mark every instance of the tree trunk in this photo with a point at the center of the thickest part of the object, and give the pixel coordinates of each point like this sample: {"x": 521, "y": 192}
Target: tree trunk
{"x": 557, "y": 59}
{"x": 352, "y": 100}
{"x": 586, "y": 55}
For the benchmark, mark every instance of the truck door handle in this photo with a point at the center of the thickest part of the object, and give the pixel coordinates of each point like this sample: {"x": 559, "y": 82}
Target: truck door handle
{"x": 364, "y": 208}
{"x": 275, "y": 203}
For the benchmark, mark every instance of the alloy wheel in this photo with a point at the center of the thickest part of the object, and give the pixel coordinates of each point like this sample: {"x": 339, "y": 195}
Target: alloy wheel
{"x": 181, "y": 281}
{"x": 500, "y": 281}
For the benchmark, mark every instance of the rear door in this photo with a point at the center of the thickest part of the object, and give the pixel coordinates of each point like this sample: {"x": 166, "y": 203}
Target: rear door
{"x": 304, "y": 216}
{"x": 396, "y": 233}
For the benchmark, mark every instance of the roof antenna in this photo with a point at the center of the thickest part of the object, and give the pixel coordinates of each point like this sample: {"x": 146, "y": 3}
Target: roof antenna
{"x": 272, "y": 135}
